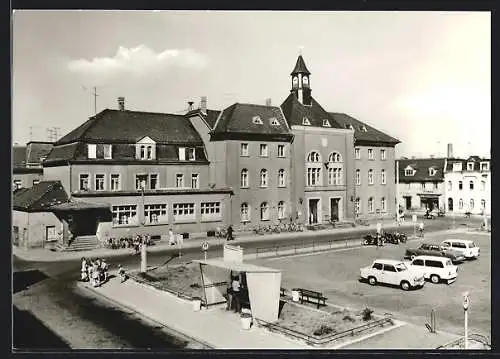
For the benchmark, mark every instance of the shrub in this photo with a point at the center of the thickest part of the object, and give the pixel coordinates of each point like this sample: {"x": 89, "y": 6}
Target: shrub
{"x": 323, "y": 330}
{"x": 195, "y": 285}
{"x": 348, "y": 318}
{"x": 367, "y": 314}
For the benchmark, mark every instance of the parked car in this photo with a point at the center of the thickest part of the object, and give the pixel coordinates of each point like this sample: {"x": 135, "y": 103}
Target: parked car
{"x": 435, "y": 268}
{"x": 465, "y": 246}
{"x": 394, "y": 272}
{"x": 429, "y": 249}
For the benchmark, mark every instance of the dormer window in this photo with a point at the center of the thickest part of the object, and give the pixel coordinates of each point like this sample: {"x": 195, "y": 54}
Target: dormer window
{"x": 485, "y": 166}
{"x": 191, "y": 154}
{"x": 470, "y": 166}
{"x": 432, "y": 171}
{"x": 349, "y": 126}
{"x": 409, "y": 171}
{"x": 257, "y": 120}
{"x": 326, "y": 123}
{"x": 107, "y": 152}
{"x": 92, "y": 149}
{"x": 305, "y": 121}
{"x": 274, "y": 121}
{"x": 145, "y": 149}
{"x": 457, "y": 166}
{"x": 362, "y": 128}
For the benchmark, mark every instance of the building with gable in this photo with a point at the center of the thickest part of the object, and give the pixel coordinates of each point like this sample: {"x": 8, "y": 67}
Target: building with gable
{"x": 27, "y": 161}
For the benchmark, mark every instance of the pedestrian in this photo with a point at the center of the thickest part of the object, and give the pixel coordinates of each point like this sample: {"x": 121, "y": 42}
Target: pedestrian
{"x": 84, "y": 269}
{"x": 379, "y": 233}
{"x": 95, "y": 274}
{"x": 104, "y": 270}
{"x": 121, "y": 272}
{"x": 230, "y": 233}
{"x": 236, "y": 285}
{"x": 171, "y": 237}
{"x": 421, "y": 228}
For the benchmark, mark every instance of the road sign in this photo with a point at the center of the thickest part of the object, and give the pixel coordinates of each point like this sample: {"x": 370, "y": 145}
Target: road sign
{"x": 466, "y": 301}
{"x": 414, "y": 218}
{"x": 204, "y": 246}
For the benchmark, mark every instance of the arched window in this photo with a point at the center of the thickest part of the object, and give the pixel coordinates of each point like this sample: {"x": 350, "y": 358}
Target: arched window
{"x": 281, "y": 178}
{"x": 460, "y": 204}
{"x": 149, "y": 152}
{"x": 143, "y": 149}
{"x": 450, "y": 204}
{"x": 335, "y": 157}
{"x": 244, "y": 178}
{"x": 370, "y": 176}
{"x": 449, "y": 186}
{"x": 471, "y": 206}
{"x": 358, "y": 177}
{"x": 382, "y": 177}
{"x": 264, "y": 211}
{"x": 483, "y": 204}
{"x": 383, "y": 205}
{"x": 460, "y": 185}
{"x": 313, "y": 170}
{"x": 245, "y": 212}
{"x": 471, "y": 185}
{"x": 281, "y": 210}
{"x": 263, "y": 177}
{"x": 335, "y": 169}
{"x": 313, "y": 157}
{"x": 483, "y": 185}
{"x": 370, "y": 205}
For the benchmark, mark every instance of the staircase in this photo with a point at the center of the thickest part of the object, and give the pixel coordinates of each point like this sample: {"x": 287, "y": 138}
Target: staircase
{"x": 81, "y": 243}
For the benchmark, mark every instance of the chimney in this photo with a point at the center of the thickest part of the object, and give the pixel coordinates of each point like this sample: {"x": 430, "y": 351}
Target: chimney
{"x": 268, "y": 102}
{"x": 450, "y": 150}
{"x": 203, "y": 104}
{"x": 121, "y": 103}
{"x": 190, "y": 105}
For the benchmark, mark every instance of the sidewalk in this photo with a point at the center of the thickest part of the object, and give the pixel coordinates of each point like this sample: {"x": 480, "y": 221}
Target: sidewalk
{"x": 45, "y": 255}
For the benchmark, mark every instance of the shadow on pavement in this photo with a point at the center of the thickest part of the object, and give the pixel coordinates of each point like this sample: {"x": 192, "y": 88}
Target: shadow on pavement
{"x": 22, "y": 280}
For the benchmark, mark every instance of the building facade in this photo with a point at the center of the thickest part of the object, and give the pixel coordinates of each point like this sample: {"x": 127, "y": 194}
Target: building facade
{"x": 27, "y": 162}
{"x": 467, "y": 185}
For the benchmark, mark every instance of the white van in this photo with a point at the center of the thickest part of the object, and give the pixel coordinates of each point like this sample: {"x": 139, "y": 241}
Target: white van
{"x": 435, "y": 268}
{"x": 467, "y": 247}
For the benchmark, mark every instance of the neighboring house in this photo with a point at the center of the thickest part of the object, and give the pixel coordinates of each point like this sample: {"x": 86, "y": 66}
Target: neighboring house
{"x": 27, "y": 161}
{"x": 150, "y": 169}
{"x": 468, "y": 185}
{"x": 421, "y": 184}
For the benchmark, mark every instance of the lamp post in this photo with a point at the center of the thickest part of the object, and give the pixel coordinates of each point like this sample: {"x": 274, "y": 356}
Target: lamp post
{"x": 144, "y": 264}
{"x": 466, "y": 303}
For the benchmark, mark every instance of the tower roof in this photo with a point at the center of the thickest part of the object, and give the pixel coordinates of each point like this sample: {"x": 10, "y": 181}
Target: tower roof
{"x": 300, "y": 67}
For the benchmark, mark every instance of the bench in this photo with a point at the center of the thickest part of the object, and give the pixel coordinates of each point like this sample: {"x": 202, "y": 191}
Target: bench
{"x": 311, "y": 296}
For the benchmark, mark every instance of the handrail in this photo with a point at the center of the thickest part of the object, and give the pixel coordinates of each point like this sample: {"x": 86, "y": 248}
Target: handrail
{"x": 461, "y": 341}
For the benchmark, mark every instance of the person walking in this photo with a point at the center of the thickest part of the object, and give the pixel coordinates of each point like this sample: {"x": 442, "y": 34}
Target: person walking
{"x": 171, "y": 237}
{"x": 230, "y": 233}
{"x": 421, "y": 228}
{"x": 379, "y": 234}
{"x": 83, "y": 271}
{"x": 121, "y": 272}
{"x": 104, "y": 269}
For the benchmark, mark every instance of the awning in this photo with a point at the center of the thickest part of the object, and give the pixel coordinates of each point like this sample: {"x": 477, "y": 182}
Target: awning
{"x": 78, "y": 206}
{"x": 237, "y": 266}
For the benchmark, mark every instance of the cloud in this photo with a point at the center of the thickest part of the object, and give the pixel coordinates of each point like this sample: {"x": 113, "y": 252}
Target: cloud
{"x": 138, "y": 61}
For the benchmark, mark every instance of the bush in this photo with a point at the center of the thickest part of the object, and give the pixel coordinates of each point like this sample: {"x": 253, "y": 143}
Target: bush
{"x": 323, "y": 330}
{"x": 348, "y": 318}
{"x": 367, "y": 314}
{"x": 195, "y": 285}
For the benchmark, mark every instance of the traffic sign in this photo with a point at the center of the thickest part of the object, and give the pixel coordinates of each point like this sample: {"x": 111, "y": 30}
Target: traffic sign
{"x": 204, "y": 246}
{"x": 414, "y": 218}
{"x": 466, "y": 301}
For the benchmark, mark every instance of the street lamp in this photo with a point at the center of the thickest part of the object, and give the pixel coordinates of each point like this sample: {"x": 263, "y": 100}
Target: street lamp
{"x": 143, "y": 242}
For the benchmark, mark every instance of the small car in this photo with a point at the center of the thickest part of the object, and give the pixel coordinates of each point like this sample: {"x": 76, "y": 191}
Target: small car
{"x": 394, "y": 272}
{"x": 435, "y": 268}
{"x": 430, "y": 249}
{"x": 464, "y": 246}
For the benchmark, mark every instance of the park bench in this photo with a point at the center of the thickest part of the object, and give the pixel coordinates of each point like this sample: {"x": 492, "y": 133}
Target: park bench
{"x": 311, "y": 296}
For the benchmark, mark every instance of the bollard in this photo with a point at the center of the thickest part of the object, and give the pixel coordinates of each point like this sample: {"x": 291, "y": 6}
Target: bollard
{"x": 433, "y": 321}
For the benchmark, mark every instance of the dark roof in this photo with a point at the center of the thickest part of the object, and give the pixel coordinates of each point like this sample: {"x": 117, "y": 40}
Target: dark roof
{"x": 19, "y": 156}
{"x": 36, "y": 150}
{"x": 370, "y": 135}
{"x": 77, "y": 205}
{"x": 295, "y": 112}
{"x": 210, "y": 117}
{"x": 300, "y": 67}
{"x": 238, "y": 118}
{"x": 64, "y": 152}
{"x": 40, "y": 197}
{"x": 115, "y": 126}
{"x": 475, "y": 159}
{"x": 421, "y": 167}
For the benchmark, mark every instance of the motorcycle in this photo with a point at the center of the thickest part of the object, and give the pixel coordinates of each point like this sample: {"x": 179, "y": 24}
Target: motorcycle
{"x": 370, "y": 239}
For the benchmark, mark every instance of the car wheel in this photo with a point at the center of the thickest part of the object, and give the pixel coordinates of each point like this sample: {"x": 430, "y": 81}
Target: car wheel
{"x": 412, "y": 257}
{"x": 435, "y": 279}
{"x": 372, "y": 280}
{"x": 365, "y": 242}
{"x": 405, "y": 285}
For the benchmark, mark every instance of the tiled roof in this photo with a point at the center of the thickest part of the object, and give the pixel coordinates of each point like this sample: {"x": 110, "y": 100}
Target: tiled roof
{"x": 19, "y": 156}
{"x": 239, "y": 118}
{"x": 300, "y": 67}
{"x": 40, "y": 197}
{"x": 37, "y": 150}
{"x": 77, "y": 205}
{"x": 370, "y": 135}
{"x": 295, "y": 112}
{"x": 64, "y": 152}
{"x": 115, "y": 126}
{"x": 475, "y": 159}
{"x": 421, "y": 167}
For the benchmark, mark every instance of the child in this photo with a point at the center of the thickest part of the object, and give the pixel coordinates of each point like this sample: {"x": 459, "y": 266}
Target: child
{"x": 122, "y": 274}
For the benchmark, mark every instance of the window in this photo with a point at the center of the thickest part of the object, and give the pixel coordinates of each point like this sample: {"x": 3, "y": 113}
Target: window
{"x": 432, "y": 171}
{"x": 334, "y": 157}
{"x": 179, "y": 180}
{"x": 210, "y": 210}
{"x": 153, "y": 181}
{"x": 143, "y": 152}
{"x": 471, "y": 204}
{"x": 281, "y": 210}
{"x": 84, "y": 182}
{"x": 92, "y": 151}
{"x": 264, "y": 211}
{"x": 450, "y": 186}
{"x": 408, "y": 186}
{"x": 470, "y": 166}
{"x": 281, "y": 178}
{"x": 377, "y": 266}
{"x": 485, "y": 166}
{"x": 195, "y": 183}
{"x": 383, "y": 204}
{"x": 244, "y": 149}
{"x": 124, "y": 215}
{"x": 115, "y": 182}
{"x": 357, "y": 205}
{"x": 182, "y": 153}
{"x": 418, "y": 262}
{"x": 35, "y": 182}
{"x": 370, "y": 205}
{"x": 191, "y": 154}
{"x": 245, "y": 212}
{"x": 149, "y": 151}
{"x": 409, "y": 171}
{"x": 362, "y": 128}
{"x": 389, "y": 268}
{"x": 274, "y": 121}
{"x": 471, "y": 185}
{"x": 263, "y": 178}
{"x": 155, "y": 213}
{"x": 183, "y": 212}
{"x": 18, "y": 184}
{"x": 244, "y": 178}
{"x": 313, "y": 157}
{"x": 358, "y": 177}
{"x": 141, "y": 181}
{"x": 436, "y": 185}
{"x": 483, "y": 204}
{"x": 305, "y": 121}
{"x": 357, "y": 153}
{"x": 382, "y": 177}
{"x": 99, "y": 182}
{"x": 326, "y": 123}
{"x": 483, "y": 185}
{"x": 460, "y": 185}
{"x": 434, "y": 264}
{"x": 460, "y": 204}
{"x": 422, "y": 186}
{"x": 370, "y": 154}
{"x": 107, "y": 152}
{"x": 334, "y": 176}
{"x": 457, "y": 166}
{"x": 281, "y": 150}
{"x": 264, "y": 150}
{"x": 370, "y": 176}
{"x": 383, "y": 155}
{"x": 256, "y": 120}
{"x": 313, "y": 176}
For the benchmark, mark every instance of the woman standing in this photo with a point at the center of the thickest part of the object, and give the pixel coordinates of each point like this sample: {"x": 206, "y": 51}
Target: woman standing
{"x": 84, "y": 271}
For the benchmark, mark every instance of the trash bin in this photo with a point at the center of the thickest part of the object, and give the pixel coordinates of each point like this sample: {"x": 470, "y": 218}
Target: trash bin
{"x": 196, "y": 304}
{"x": 295, "y": 295}
{"x": 246, "y": 320}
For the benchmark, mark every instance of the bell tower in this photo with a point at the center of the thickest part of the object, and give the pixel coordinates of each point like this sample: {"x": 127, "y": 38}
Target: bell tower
{"x": 301, "y": 85}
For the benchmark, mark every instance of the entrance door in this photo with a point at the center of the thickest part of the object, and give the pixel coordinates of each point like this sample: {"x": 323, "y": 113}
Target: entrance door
{"x": 313, "y": 211}
{"x": 408, "y": 202}
{"x": 450, "y": 204}
{"x": 334, "y": 209}
{"x": 50, "y": 234}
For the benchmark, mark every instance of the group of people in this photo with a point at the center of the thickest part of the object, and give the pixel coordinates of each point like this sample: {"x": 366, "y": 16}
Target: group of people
{"x": 94, "y": 270}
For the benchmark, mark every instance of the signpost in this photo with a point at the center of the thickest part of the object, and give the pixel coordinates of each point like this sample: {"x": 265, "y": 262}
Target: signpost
{"x": 204, "y": 248}
{"x": 466, "y": 303}
{"x": 414, "y": 219}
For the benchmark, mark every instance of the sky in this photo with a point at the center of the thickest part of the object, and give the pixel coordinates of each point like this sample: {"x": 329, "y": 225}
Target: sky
{"x": 422, "y": 77}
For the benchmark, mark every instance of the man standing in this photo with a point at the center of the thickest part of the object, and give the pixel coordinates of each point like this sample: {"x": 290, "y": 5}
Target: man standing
{"x": 421, "y": 228}
{"x": 235, "y": 284}
{"x": 379, "y": 233}
{"x": 171, "y": 237}
{"x": 230, "y": 233}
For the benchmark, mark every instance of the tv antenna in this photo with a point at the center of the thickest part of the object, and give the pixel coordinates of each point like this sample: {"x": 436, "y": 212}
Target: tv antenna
{"x": 95, "y": 94}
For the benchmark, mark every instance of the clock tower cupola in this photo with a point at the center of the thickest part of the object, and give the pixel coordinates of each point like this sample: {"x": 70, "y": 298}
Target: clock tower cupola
{"x": 301, "y": 85}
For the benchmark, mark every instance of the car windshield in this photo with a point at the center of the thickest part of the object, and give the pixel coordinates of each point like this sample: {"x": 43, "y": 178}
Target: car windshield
{"x": 471, "y": 245}
{"x": 401, "y": 267}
